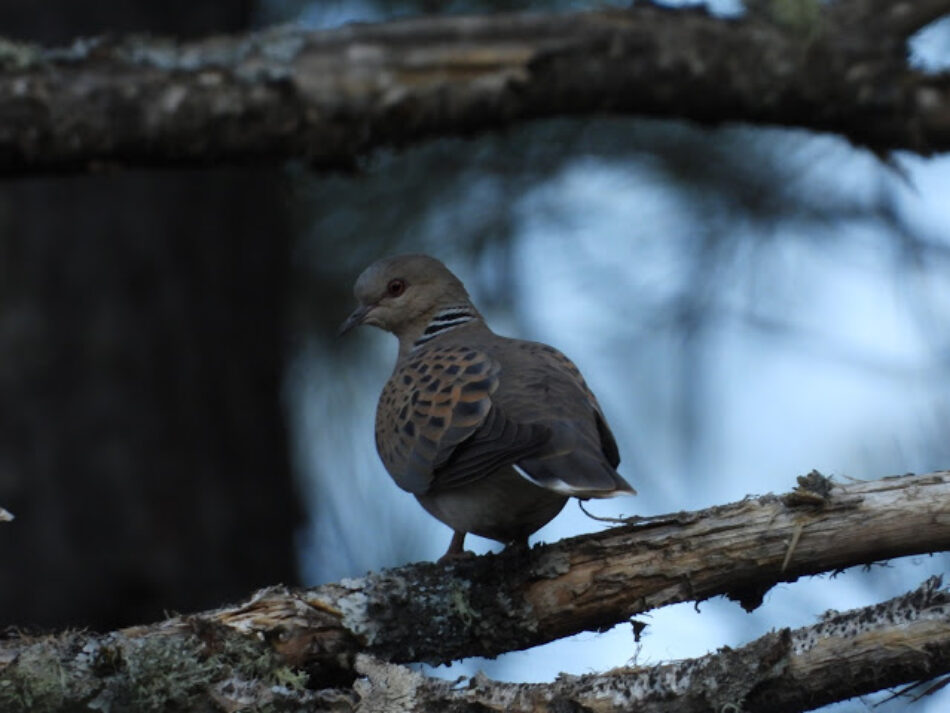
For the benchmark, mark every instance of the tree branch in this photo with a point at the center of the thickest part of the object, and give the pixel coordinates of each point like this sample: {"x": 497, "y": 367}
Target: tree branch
{"x": 899, "y": 19}
{"x": 844, "y": 655}
{"x": 330, "y": 96}
{"x": 906, "y": 639}
{"x": 496, "y": 603}
{"x": 493, "y": 604}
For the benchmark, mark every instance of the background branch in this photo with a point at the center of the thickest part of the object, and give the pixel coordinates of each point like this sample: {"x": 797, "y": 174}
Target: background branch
{"x": 330, "y": 96}
{"x": 899, "y": 19}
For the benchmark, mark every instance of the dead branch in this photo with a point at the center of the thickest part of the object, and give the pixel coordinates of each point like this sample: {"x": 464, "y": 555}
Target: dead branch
{"x": 330, "y": 96}
{"x": 489, "y": 605}
{"x": 496, "y": 603}
{"x": 844, "y": 655}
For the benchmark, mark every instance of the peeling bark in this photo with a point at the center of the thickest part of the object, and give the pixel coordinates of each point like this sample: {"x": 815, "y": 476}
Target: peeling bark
{"x": 497, "y": 603}
{"x": 844, "y": 655}
{"x": 330, "y": 96}
{"x": 316, "y": 643}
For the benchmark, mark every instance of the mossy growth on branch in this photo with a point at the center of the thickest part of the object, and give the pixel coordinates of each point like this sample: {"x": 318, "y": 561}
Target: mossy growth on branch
{"x": 114, "y": 674}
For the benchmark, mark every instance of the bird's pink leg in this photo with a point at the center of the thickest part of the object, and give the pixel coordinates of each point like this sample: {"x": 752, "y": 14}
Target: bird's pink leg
{"x": 456, "y": 548}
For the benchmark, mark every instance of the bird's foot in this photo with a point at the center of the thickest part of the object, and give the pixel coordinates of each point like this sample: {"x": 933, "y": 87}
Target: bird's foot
{"x": 519, "y": 546}
{"x": 450, "y": 557}
{"x": 456, "y": 550}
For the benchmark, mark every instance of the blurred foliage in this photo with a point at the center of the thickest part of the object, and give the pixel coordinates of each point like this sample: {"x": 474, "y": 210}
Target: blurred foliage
{"x": 741, "y": 188}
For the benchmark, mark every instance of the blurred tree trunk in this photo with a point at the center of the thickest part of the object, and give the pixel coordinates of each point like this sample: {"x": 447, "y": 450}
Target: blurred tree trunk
{"x": 142, "y": 443}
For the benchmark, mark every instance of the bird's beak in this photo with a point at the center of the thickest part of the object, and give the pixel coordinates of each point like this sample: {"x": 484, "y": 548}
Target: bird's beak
{"x": 355, "y": 319}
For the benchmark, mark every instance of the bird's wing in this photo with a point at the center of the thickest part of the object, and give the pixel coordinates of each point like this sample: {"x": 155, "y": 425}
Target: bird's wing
{"x": 436, "y": 424}
{"x": 545, "y": 387}
{"x": 608, "y": 443}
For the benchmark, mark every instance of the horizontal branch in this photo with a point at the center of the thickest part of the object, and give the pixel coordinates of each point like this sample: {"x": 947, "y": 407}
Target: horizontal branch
{"x": 330, "y": 96}
{"x": 495, "y": 603}
{"x": 904, "y": 640}
{"x": 898, "y": 18}
{"x": 861, "y": 651}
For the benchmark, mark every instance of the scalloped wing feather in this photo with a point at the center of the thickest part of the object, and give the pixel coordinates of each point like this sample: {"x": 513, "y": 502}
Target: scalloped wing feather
{"x": 436, "y": 425}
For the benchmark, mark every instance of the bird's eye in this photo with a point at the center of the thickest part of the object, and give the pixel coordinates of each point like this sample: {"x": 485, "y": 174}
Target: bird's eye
{"x": 396, "y": 287}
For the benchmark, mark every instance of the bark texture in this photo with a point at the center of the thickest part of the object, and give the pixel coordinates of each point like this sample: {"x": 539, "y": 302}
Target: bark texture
{"x": 492, "y": 604}
{"x": 844, "y": 655}
{"x": 341, "y": 643}
{"x": 329, "y": 96}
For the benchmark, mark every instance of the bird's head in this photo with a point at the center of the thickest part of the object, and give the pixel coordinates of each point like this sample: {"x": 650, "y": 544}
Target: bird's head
{"x": 400, "y": 294}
